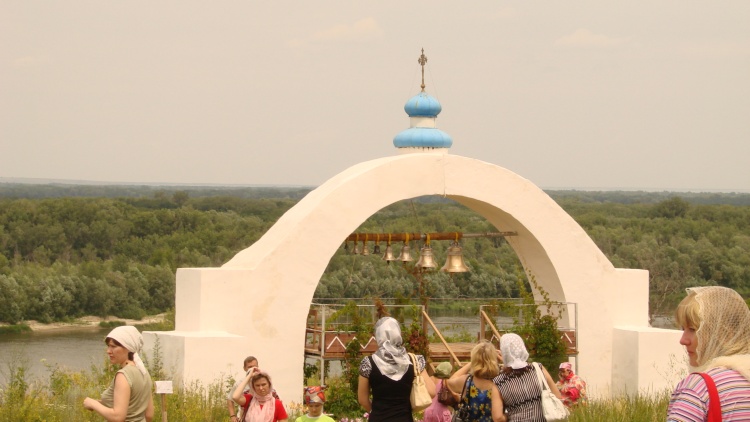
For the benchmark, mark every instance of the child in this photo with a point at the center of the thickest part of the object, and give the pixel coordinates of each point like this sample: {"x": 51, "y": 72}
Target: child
{"x": 314, "y": 399}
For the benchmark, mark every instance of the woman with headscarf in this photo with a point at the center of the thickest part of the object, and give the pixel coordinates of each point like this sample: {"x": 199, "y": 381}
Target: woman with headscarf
{"x": 129, "y": 396}
{"x": 480, "y": 395}
{"x": 388, "y": 375}
{"x": 715, "y": 324}
{"x": 518, "y": 383}
{"x": 258, "y": 403}
{"x": 571, "y": 386}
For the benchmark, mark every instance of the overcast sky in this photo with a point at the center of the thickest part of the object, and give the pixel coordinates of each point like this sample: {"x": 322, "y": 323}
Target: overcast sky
{"x": 569, "y": 94}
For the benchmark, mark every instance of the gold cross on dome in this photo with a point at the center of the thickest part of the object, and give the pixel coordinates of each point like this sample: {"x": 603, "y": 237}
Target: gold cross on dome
{"x": 422, "y": 61}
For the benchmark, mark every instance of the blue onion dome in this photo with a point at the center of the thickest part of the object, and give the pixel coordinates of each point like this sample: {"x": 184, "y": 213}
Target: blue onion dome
{"x": 423, "y": 104}
{"x": 422, "y": 137}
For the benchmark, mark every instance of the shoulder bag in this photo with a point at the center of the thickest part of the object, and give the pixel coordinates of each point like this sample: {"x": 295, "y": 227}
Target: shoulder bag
{"x": 554, "y": 409}
{"x": 714, "y": 412}
{"x": 462, "y": 412}
{"x": 446, "y": 396}
{"x": 419, "y": 397}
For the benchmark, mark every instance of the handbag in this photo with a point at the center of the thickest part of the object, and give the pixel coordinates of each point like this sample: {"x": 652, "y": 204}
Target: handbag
{"x": 420, "y": 398}
{"x": 462, "y": 412}
{"x": 553, "y": 408}
{"x": 446, "y": 396}
{"x": 714, "y": 412}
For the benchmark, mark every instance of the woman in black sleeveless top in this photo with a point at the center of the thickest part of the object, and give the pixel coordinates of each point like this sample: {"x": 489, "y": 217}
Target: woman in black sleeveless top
{"x": 388, "y": 374}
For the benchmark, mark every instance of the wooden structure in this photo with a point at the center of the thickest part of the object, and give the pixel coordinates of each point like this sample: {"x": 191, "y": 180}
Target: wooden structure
{"x": 331, "y": 343}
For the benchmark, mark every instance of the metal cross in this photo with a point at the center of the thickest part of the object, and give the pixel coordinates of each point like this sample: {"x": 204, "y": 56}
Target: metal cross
{"x": 422, "y": 61}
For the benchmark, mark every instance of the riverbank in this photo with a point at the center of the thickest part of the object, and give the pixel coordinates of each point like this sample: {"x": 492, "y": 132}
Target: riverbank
{"x": 85, "y": 323}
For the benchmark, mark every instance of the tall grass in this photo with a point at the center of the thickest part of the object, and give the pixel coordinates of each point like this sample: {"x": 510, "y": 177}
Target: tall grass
{"x": 60, "y": 399}
{"x": 639, "y": 408}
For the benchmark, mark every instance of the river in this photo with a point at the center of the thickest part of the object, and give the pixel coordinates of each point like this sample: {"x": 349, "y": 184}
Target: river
{"x": 76, "y": 349}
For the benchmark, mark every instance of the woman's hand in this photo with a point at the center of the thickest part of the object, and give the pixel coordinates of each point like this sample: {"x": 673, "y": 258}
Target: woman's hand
{"x": 88, "y": 403}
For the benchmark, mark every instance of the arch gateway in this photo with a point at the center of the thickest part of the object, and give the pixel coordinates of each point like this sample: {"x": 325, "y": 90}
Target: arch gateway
{"x": 257, "y": 303}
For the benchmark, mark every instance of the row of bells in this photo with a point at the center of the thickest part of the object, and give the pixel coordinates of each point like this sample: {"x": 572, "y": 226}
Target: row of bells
{"x": 453, "y": 264}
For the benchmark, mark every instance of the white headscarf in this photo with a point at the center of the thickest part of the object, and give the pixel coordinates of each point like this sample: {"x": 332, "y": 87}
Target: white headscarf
{"x": 391, "y": 358}
{"x": 514, "y": 351}
{"x": 131, "y": 339}
{"x": 724, "y": 332}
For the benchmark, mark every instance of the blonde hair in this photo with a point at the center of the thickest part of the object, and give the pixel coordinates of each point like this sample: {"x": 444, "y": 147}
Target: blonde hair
{"x": 688, "y": 313}
{"x": 484, "y": 361}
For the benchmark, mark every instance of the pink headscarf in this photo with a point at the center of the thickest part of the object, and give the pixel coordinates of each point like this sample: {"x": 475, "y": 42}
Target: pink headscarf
{"x": 256, "y": 413}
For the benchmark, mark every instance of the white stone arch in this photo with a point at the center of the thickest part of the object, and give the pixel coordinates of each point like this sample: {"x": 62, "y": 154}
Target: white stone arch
{"x": 258, "y": 301}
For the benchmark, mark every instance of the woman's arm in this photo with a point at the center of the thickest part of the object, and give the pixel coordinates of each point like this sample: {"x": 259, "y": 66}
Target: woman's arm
{"x": 363, "y": 393}
{"x": 497, "y": 405}
{"x": 238, "y": 395}
{"x": 150, "y": 409}
{"x": 429, "y": 383}
{"x": 458, "y": 379}
{"x": 552, "y": 385}
{"x": 121, "y": 400}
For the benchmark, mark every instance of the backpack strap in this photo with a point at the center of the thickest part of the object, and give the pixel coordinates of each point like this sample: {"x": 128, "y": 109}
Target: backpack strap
{"x": 714, "y": 404}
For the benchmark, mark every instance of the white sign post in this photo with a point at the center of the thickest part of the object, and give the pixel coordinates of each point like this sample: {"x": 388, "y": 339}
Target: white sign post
{"x": 163, "y": 388}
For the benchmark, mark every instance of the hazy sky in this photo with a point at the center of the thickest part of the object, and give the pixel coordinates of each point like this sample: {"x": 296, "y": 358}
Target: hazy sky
{"x": 569, "y": 94}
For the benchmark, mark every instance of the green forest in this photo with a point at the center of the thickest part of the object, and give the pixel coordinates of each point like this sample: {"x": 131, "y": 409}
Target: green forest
{"x": 68, "y": 251}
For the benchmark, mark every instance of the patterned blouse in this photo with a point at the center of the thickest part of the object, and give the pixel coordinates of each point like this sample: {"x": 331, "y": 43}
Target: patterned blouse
{"x": 478, "y": 402}
{"x": 522, "y": 397}
{"x": 689, "y": 402}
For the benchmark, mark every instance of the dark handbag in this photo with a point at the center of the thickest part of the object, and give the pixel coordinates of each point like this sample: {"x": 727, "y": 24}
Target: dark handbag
{"x": 446, "y": 396}
{"x": 462, "y": 412}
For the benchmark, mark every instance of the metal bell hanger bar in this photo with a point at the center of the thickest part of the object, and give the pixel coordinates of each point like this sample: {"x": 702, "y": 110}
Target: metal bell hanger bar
{"x": 401, "y": 237}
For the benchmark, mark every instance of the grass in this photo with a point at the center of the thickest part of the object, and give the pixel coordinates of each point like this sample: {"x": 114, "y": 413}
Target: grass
{"x": 14, "y": 329}
{"x": 60, "y": 398}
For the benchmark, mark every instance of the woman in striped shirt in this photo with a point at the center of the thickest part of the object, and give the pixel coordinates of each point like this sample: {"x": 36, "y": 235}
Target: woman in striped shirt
{"x": 715, "y": 325}
{"x": 518, "y": 383}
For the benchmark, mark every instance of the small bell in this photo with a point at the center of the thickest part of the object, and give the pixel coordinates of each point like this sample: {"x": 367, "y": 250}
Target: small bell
{"x": 376, "y": 249}
{"x": 426, "y": 258}
{"x": 388, "y": 255}
{"x": 405, "y": 255}
{"x": 365, "y": 252}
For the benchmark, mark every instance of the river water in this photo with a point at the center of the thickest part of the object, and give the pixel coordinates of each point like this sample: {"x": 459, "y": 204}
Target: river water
{"x": 75, "y": 349}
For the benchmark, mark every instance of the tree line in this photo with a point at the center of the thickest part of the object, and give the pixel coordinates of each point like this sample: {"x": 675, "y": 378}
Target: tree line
{"x": 66, "y": 257}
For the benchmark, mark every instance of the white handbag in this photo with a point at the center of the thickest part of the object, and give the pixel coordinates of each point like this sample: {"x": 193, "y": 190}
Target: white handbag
{"x": 420, "y": 398}
{"x": 553, "y": 408}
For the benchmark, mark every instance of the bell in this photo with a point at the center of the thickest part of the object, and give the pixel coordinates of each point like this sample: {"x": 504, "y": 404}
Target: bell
{"x": 356, "y": 249}
{"x": 455, "y": 261}
{"x": 405, "y": 254}
{"x": 365, "y": 252}
{"x": 388, "y": 255}
{"x": 426, "y": 258}
{"x": 376, "y": 249}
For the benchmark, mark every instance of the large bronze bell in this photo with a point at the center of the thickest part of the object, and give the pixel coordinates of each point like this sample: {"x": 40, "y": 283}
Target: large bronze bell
{"x": 455, "y": 261}
{"x": 388, "y": 255}
{"x": 426, "y": 258}
{"x": 405, "y": 255}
